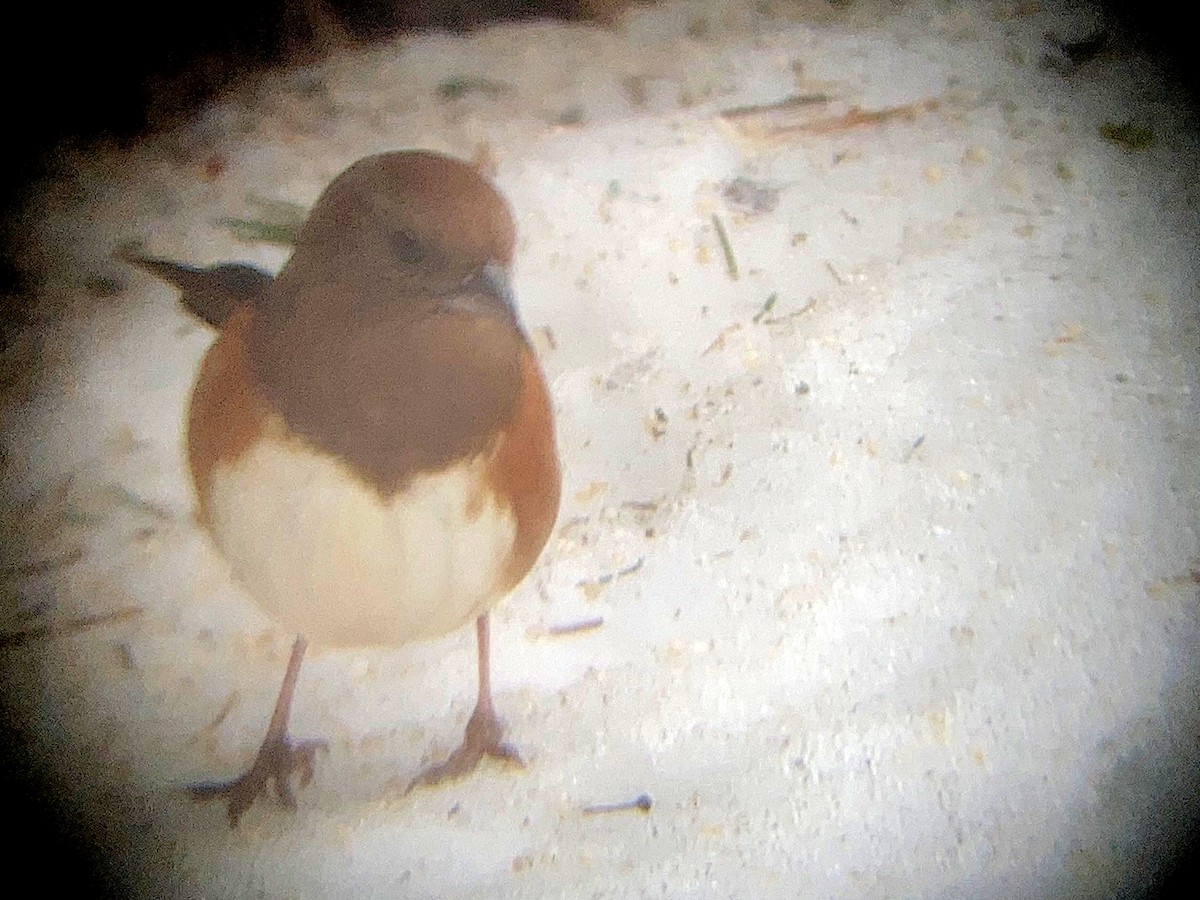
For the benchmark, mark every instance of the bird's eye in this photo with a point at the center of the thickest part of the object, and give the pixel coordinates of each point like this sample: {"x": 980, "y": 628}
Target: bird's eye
{"x": 406, "y": 247}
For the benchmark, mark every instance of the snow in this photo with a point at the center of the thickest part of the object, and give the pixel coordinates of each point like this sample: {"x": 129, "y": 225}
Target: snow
{"x": 897, "y": 572}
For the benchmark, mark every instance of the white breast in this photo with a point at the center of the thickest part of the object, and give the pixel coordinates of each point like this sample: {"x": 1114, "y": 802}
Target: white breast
{"x": 329, "y": 558}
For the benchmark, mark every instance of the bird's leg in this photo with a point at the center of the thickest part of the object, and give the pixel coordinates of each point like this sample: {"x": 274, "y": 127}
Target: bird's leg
{"x": 278, "y": 757}
{"x": 484, "y": 732}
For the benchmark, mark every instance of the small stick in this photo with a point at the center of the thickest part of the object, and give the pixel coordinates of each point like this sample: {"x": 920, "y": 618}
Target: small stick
{"x": 765, "y": 308}
{"x": 719, "y": 341}
{"x": 71, "y": 626}
{"x": 796, "y": 313}
{"x": 42, "y": 566}
{"x": 730, "y": 260}
{"x": 640, "y": 505}
{"x": 285, "y": 212}
{"x": 256, "y": 231}
{"x": 795, "y": 101}
{"x": 128, "y": 498}
{"x": 613, "y": 576}
{"x": 857, "y": 117}
{"x": 230, "y": 704}
{"x": 459, "y": 86}
{"x": 916, "y": 445}
{"x": 575, "y": 627}
{"x": 1082, "y": 50}
{"x": 642, "y": 802}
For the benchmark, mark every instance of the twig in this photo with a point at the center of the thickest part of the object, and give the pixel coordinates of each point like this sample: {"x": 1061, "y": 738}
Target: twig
{"x": 279, "y": 222}
{"x": 459, "y": 86}
{"x": 1128, "y": 134}
{"x": 730, "y": 260}
{"x": 796, "y": 101}
{"x": 765, "y": 308}
{"x": 612, "y": 576}
{"x": 794, "y": 314}
{"x": 719, "y": 341}
{"x": 71, "y": 626}
{"x": 128, "y": 498}
{"x": 235, "y": 697}
{"x": 855, "y": 117}
{"x": 253, "y": 231}
{"x": 575, "y": 627}
{"x": 42, "y": 566}
{"x": 908, "y": 454}
{"x": 1079, "y": 51}
{"x": 642, "y": 802}
{"x": 284, "y": 212}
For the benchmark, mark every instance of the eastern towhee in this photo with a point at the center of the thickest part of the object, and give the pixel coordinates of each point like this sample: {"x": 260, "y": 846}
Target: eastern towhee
{"x": 370, "y": 436}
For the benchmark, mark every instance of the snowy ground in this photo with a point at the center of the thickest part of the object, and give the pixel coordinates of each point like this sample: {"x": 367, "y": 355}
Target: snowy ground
{"x": 897, "y": 571}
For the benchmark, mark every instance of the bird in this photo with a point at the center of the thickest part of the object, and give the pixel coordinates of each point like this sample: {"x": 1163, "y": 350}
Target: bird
{"x": 371, "y": 437}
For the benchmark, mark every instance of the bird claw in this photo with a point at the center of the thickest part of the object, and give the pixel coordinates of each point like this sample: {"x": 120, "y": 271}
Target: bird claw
{"x": 481, "y": 739}
{"x": 278, "y": 759}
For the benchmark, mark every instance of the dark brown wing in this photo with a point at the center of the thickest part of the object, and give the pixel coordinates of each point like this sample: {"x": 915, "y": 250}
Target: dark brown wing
{"x": 211, "y": 294}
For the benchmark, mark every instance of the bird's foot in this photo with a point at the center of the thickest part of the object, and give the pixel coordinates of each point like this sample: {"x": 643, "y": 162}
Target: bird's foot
{"x": 278, "y": 759}
{"x": 482, "y": 738}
